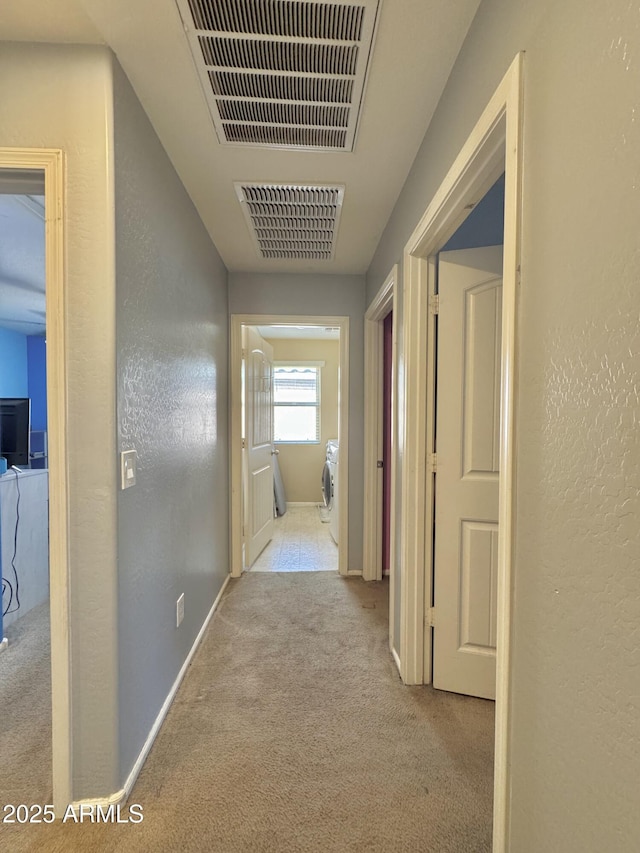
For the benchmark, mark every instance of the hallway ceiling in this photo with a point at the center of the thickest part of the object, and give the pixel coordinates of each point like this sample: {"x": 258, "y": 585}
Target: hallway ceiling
{"x": 415, "y": 45}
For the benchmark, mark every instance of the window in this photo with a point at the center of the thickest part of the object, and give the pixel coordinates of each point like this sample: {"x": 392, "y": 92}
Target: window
{"x": 296, "y": 403}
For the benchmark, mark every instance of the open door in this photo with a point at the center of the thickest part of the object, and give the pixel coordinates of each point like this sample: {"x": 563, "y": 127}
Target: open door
{"x": 467, "y": 472}
{"x": 259, "y": 525}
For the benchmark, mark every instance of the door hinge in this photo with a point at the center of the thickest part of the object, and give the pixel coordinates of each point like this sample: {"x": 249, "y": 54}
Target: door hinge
{"x": 430, "y": 617}
{"x": 380, "y": 463}
{"x": 244, "y": 352}
{"x": 432, "y": 463}
{"x": 244, "y": 443}
{"x": 434, "y": 304}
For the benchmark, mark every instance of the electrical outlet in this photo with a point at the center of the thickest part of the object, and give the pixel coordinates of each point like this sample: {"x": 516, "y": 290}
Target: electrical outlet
{"x": 179, "y": 610}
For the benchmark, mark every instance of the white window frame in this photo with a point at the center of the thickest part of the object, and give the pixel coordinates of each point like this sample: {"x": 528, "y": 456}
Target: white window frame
{"x": 318, "y": 365}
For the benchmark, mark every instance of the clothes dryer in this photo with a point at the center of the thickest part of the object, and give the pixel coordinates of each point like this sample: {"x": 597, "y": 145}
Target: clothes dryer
{"x": 330, "y": 486}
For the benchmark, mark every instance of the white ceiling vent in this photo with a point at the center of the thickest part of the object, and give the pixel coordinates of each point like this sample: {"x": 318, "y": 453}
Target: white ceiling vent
{"x": 292, "y": 222}
{"x": 282, "y": 73}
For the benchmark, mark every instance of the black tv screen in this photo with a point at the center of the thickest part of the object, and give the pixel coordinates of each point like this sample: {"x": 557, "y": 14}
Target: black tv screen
{"x": 15, "y": 425}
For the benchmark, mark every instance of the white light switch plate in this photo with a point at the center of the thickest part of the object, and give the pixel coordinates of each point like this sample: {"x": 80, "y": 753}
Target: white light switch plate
{"x": 128, "y": 468}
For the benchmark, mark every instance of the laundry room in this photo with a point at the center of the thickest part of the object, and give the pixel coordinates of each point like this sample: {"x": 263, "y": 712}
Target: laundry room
{"x": 302, "y": 454}
{"x": 305, "y": 417}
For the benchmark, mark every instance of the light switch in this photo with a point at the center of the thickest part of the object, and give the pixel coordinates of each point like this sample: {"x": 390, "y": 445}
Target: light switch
{"x": 128, "y": 463}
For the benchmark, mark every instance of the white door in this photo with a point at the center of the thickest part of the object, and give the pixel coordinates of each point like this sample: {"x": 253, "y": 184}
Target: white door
{"x": 467, "y": 472}
{"x": 258, "y": 528}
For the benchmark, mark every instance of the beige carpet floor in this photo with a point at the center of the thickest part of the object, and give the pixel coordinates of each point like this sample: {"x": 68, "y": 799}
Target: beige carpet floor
{"x": 292, "y": 732}
{"x": 25, "y": 711}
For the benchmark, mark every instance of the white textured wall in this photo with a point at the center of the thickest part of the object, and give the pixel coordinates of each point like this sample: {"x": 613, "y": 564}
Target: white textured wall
{"x": 576, "y": 684}
{"x": 171, "y": 312}
{"x": 60, "y": 97}
{"x": 328, "y": 295}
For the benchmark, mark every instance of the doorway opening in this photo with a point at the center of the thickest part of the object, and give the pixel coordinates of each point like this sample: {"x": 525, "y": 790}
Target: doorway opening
{"x": 380, "y": 446}
{"x": 289, "y": 443}
{"x": 493, "y": 148}
{"x": 33, "y": 505}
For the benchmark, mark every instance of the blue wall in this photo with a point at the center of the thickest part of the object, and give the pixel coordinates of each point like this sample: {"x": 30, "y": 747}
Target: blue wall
{"x": 23, "y": 373}
{"x": 37, "y": 380}
{"x": 14, "y": 380}
{"x": 485, "y": 224}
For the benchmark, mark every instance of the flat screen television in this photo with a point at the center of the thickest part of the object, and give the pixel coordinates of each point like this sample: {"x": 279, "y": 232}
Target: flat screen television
{"x": 15, "y": 426}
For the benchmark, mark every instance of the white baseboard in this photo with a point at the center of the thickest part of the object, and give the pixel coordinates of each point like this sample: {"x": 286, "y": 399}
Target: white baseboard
{"x": 121, "y": 796}
{"x": 4, "y": 644}
{"x": 303, "y": 503}
{"x": 354, "y": 573}
{"x": 394, "y": 655}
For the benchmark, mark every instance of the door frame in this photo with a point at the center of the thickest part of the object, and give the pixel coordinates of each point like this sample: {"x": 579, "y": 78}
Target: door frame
{"x": 51, "y": 163}
{"x": 235, "y": 382}
{"x": 386, "y": 300}
{"x": 494, "y": 146}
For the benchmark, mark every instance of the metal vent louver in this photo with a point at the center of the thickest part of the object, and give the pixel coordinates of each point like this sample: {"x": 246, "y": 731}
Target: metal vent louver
{"x": 282, "y": 73}
{"x": 292, "y": 222}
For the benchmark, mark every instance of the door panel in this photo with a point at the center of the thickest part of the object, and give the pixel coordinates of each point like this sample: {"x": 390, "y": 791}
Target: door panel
{"x": 481, "y": 380}
{"x": 387, "y": 373}
{"x": 259, "y": 523}
{"x": 467, "y": 478}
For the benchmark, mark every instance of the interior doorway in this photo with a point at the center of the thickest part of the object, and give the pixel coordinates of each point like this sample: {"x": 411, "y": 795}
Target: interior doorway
{"x": 291, "y": 460}
{"x": 35, "y": 581}
{"x": 289, "y": 384}
{"x": 380, "y": 447}
{"x": 494, "y": 147}
{"x": 25, "y": 665}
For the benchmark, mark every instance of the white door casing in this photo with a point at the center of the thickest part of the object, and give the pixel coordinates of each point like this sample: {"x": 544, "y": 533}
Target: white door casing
{"x": 493, "y": 146}
{"x": 385, "y": 301}
{"x": 237, "y": 518}
{"x": 52, "y": 164}
{"x": 259, "y": 524}
{"x": 467, "y": 473}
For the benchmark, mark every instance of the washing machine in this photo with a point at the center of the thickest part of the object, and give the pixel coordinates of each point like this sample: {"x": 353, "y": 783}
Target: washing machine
{"x": 330, "y": 486}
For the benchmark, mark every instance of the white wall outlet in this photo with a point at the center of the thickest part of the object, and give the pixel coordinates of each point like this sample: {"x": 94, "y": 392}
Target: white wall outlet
{"x": 128, "y": 468}
{"x": 179, "y": 610}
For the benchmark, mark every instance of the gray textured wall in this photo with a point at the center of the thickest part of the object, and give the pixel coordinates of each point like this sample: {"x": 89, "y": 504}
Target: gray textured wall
{"x": 328, "y": 295}
{"x": 576, "y": 691}
{"x": 171, "y": 324}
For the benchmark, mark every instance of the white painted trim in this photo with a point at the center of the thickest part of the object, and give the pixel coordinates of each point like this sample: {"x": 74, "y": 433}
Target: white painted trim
{"x": 430, "y": 497}
{"x": 51, "y": 162}
{"x": 396, "y": 659}
{"x": 120, "y": 797}
{"x": 298, "y": 362}
{"x": 354, "y": 573}
{"x": 412, "y": 532}
{"x": 304, "y": 503}
{"x": 385, "y": 300}
{"x": 494, "y": 145}
{"x": 235, "y": 385}
{"x": 514, "y": 98}
{"x": 116, "y": 799}
{"x": 4, "y": 644}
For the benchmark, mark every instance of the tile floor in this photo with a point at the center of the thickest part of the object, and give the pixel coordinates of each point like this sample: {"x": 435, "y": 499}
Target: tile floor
{"x": 301, "y": 543}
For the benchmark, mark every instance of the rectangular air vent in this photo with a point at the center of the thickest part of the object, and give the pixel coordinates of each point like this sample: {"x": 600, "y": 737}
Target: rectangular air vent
{"x": 282, "y": 73}
{"x": 292, "y": 222}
